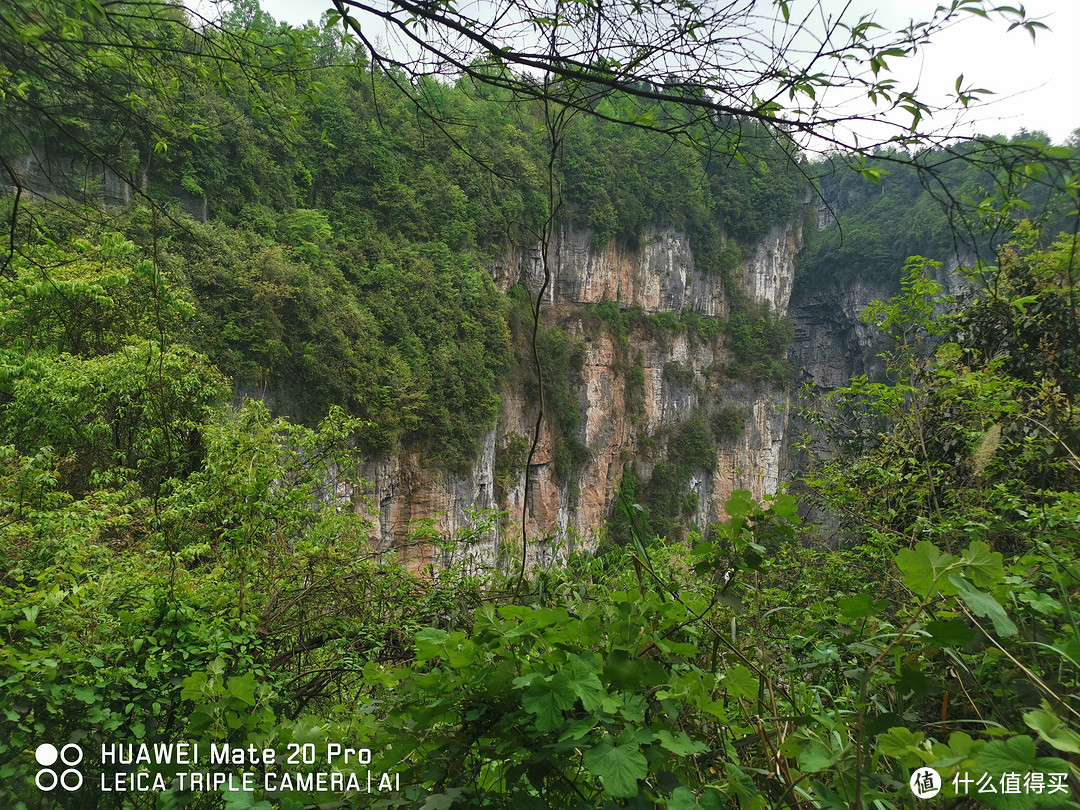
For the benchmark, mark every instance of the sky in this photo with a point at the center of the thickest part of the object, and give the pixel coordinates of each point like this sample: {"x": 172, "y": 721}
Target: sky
{"x": 1036, "y": 84}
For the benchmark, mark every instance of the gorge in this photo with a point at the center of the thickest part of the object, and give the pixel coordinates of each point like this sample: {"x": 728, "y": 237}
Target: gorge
{"x": 683, "y": 376}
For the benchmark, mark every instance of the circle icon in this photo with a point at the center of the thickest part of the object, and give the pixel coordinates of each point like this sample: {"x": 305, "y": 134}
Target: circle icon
{"x": 71, "y": 779}
{"x": 46, "y": 754}
{"x": 925, "y": 783}
{"x": 46, "y": 779}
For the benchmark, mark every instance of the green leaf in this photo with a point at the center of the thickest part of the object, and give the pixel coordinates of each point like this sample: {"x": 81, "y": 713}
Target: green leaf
{"x": 740, "y": 504}
{"x": 858, "y": 607}
{"x": 1040, "y": 602}
{"x": 741, "y": 682}
{"x": 922, "y": 568}
{"x": 548, "y": 699}
{"x": 953, "y": 633}
{"x": 981, "y": 565}
{"x": 1053, "y": 731}
{"x": 429, "y": 643}
{"x": 680, "y": 745}
{"x": 682, "y": 799}
{"x": 814, "y": 756}
{"x": 242, "y": 687}
{"x": 586, "y": 684}
{"x": 899, "y": 742}
{"x": 194, "y": 685}
{"x": 444, "y": 800}
{"x": 742, "y": 785}
{"x": 579, "y": 728}
{"x": 983, "y": 604}
{"x": 1007, "y": 756}
{"x": 618, "y": 767}
{"x": 241, "y": 800}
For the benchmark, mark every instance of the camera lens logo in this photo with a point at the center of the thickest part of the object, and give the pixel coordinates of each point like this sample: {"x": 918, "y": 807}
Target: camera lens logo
{"x": 47, "y": 778}
{"x": 925, "y": 783}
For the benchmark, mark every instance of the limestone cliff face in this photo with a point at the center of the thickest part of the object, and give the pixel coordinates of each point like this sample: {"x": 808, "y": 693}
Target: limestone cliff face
{"x": 45, "y": 174}
{"x": 831, "y": 344}
{"x": 620, "y": 423}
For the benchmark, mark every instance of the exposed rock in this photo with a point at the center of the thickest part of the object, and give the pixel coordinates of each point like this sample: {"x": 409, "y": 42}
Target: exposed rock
{"x": 44, "y": 174}
{"x": 660, "y": 276}
{"x": 48, "y": 174}
{"x": 831, "y": 344}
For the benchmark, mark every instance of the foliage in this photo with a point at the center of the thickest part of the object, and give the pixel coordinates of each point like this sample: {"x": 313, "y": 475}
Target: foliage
{"x": 759, "y": 341}
{"x": 510, "y": 458}
{"x": 561, "y": 357}
{"x": 727, "y": 423}
{"x": 173, "y": 569}
{"x": 973, "y": 437}
{"x": 542, "y": 706}
{"x": 667, "y": 502}
{"x": 960, "y": 203}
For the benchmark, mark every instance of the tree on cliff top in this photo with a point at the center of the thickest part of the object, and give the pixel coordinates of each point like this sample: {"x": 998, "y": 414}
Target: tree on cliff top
{"x": 698, "y": 71}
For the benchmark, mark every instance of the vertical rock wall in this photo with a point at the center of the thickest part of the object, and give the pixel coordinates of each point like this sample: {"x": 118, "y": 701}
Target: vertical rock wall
{"x": 660, "y": 276}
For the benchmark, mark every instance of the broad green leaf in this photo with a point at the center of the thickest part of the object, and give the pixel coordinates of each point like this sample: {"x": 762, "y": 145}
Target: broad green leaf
{"x": 899, "y": 742}
{"x": 1040, "y": 602}
{"x": 981, "y": 565}
{"x": 815, "y": 756}
{"x": 429, "y": 643}
{"x": 244, "y": 800}
{"x": 922, "y": 568}
{"x": 548, "y": 699}
{"x": 682, "y": 799}
{"x": 785, "y": 506}
{"x": 740, "y": 504}
{"x": 1006, "y": 756}
{"x": 579, "y": 728}
{"x": 952, "y": 633}
{"x": 741, "y": 682}
{"x": 618, "y": 767}
{"x": 858, "y": 607}
{"x": 194, "y": 686}
{"x": 680, "y": 745}
{"x": 444, "y": 800}
{"x": 1017, "y": 756}
{"x": 983, "y": 604}
{"x": 1053, "y": 731}
{"x": 242, "y": 687}
{"x": 586, "y": 684}
{"x": 743, "y": 787}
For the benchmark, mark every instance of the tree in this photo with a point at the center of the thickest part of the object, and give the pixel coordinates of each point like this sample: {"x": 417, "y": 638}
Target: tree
{"x": 974, "y": 436}
{"x": 699, "y": 71}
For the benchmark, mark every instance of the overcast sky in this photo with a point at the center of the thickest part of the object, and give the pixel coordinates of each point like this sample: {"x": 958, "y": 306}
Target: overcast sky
{"x": 1037, "y": 84}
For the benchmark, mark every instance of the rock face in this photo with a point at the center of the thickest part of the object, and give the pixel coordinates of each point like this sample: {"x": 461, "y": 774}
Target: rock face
{"x": 43, "y": 174}
{"x": 831, "y": 344}
{"x": 678, "y": 374}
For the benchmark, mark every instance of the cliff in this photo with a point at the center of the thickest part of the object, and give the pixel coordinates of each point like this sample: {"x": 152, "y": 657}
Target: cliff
{"x": 633, "y": 395}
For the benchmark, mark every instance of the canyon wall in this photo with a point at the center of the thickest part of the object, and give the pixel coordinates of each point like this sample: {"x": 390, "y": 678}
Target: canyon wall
{"x": 45, "y": 174}
{"x": 683, "y": 375}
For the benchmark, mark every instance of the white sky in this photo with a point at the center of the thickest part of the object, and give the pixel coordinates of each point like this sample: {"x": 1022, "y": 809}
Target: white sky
{"x": 1036, "y": 84}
